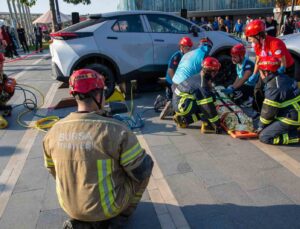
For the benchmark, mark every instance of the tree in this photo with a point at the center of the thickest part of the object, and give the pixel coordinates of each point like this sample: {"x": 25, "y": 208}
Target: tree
{"x": 52, "y": 8}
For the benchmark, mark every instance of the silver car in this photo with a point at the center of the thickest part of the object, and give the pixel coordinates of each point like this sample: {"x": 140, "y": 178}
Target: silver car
{"x": 131, "y": 45}
{"x": 292, "y": 42}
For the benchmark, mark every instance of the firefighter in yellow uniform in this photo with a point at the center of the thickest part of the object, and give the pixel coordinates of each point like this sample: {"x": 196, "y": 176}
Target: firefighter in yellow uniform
{"x": 100, "y": 169}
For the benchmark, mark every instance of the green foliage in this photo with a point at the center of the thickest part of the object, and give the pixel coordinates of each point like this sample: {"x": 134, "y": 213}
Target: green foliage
{"x": 28, "y": 2}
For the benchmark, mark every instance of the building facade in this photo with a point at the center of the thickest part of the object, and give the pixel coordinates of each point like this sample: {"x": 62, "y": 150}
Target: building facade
{"x": 200, "y": 7}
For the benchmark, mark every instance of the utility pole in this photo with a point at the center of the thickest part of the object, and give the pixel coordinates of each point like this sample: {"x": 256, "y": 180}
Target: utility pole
{"x": 58, "y": 15}
{"x": 292, "y": 10}
{"x": 30, "y": 24}
{"x": 26, "y": 23}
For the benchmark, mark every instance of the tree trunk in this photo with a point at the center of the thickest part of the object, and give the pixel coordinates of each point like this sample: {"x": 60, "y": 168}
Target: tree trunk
{"x": 54, "y": 20}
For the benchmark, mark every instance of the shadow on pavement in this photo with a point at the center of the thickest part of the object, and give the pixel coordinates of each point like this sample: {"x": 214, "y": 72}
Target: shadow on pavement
{"x": 8, "y": 151}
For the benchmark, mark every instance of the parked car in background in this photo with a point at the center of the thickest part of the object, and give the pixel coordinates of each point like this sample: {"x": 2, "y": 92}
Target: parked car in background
{"x": 131, "y": 45}
{"x": 292, "y": 43}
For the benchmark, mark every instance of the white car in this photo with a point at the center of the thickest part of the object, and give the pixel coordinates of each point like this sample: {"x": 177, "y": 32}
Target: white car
{"x": 131, "y": 45}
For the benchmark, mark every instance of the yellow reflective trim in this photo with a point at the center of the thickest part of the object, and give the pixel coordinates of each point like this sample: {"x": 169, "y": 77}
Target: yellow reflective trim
{"x": 291, "y": 101}
{"x": 205, "y": 101}
{"x": 295, "y": 140}
{"x": 194, "y": 117}
{"x": 182, "y": 111}
{"x": 272, "y": 103}
{"x": 214, "y": 119}
{"x": 265, "y": 121}
{"x": 276, "y": 140}
{"x": 183, "y": 94}
{"x": 285, "y": 139}
{"x": 101, "y": 179}
{"x": 131, "y": 154}
{"x": 289, "y": 121}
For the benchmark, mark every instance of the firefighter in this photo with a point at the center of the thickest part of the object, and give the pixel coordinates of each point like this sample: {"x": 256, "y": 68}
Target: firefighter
{"x": 280, "y": 114}
{"x": 265, "y": 45}
{"x": 190, "y": 63}
{"x": 185, "y": 45}
{"x": 193, "y": 98}
{"x": 100, "y": 169}
{"x": 242, "y": 89}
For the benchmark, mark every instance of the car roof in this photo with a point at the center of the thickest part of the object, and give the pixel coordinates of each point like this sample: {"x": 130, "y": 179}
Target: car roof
{"x": 121, "y": 13}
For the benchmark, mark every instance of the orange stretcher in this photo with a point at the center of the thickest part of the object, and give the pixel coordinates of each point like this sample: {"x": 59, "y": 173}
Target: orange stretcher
{"x": 237, "y": 133}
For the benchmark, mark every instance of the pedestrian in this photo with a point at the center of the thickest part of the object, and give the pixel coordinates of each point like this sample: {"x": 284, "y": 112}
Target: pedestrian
{"x": 215, "y": 24}
{"x": 271, "y": 26}
{"x": 22, "y": 38}
{"x": 288, "y": 27}
{"x": 193, "y": 99}
{"x": 8, "y": 48}
{"x": 242, "y": 89}
{"x": 12, "y": 38}
{"x": 185, "y": 45}
{"x": 227, "y": 22}
{"x": 38, "y": 38}
{"x": 202, "y": 21}
{"x": 190, "y": 63}
{"x": 265, "y": 45}
{"x": 297, "y": 23}
{"x": 280, "y": 115}
{"x": 2, "y": 58}
{"x": 238, "y": 28}
{"x": 100, "y": 169}
{"x": 222, "y": 26}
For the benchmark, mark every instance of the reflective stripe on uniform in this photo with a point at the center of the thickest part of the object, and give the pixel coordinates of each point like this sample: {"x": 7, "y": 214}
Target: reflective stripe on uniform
{"x": 285, "y": 138}
{"x": 295, "y": 140}
{"x": 48, "y": 162}
{"x": 131, "y": 154}
{"x": 281, "y": 105}
{"x": 289, "y": 121}
{"x": 272, "y": 103}
{"x": 214, "y": 119}
{"x": 194, "y": 117}
{"x": 180, "y": 108}
{"x": 265, "y": 121}
{"x": 106, "y": 189}
{"x": 276, "y": 140}
{"x": 205, "y": 101}
{"x": 183, "y": 94}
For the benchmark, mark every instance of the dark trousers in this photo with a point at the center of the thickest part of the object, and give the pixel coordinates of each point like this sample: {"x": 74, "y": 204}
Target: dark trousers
{"x": 169, "y": 92}
{"x": 38, "y": 43}
{"x": 24, "y": 45}
{"x": 279, "y": 133}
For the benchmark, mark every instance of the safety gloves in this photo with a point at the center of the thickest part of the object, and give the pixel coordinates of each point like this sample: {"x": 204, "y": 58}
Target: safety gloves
{"x": 281, "y": 70}
{"x": 229, "y": 90}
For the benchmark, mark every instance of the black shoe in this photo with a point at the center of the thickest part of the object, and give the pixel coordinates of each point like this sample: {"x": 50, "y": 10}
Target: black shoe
{"x": 76, "y": 224}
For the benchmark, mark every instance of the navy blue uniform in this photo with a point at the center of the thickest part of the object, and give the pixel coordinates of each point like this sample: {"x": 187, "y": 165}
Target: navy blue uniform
{"x": 280, "y": 114}
{"x": 193, "y": 101}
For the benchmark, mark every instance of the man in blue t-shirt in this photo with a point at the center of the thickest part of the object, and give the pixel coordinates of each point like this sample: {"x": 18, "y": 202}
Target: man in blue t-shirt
{"x": 190, "y": 63}
{"x": 238, "y": 28}
{"x": 242, "y": 88}
{"x": 185, "y": 45}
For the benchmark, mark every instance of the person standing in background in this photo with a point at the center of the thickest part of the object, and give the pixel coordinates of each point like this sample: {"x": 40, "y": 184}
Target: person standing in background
{"x": 271, "y": 26}
{"x": 22, "y": 38}
{"x": 38, "y": 38}
{"x": 238, "y": 28}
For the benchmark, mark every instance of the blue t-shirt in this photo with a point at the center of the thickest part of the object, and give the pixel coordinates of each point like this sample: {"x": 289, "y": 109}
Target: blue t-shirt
{"x": 190, "y": 64}
{"x": 247, "y": 65}
{"x": 215, "y": 25}
{"x": 238, "y": 27}
{"x": 173, "y": 64}
{"x": 227, "y": 23}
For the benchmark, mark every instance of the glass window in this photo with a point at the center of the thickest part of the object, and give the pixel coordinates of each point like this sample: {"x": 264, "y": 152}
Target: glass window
{"x": 167, "y": 24}
{"x": 128, "y": 23}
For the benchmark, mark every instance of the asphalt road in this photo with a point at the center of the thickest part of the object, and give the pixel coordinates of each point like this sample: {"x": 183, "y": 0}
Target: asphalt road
{"x": 199, "y": 181}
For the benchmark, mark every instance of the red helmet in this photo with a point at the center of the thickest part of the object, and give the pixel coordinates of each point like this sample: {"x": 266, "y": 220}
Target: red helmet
{"x": 269, "y": 63}
{"x": 211, "y": 63}
{"x": 85, "y": 80}
{"x": 206, "y": 41}
{"x": 186, "y": 41}
{"x": 238, "y": 50}
{"x": 255, "y": 27}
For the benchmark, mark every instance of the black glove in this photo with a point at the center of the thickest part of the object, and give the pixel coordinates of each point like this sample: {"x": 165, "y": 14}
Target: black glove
{"x": 219, "y": 129}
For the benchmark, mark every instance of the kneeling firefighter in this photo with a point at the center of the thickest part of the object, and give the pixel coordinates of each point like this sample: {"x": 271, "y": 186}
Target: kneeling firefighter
{"x": 101, "y": 170}
{"x": 280, "y": 114}
{"x": 193, "y": 98}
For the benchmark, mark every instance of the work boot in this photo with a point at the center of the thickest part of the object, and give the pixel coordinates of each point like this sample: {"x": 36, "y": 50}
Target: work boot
{"x": 180, "y": 121}
{"x": 159, "y": 103}
{"x": 167, "y": 111}
{"x": 7, "y": 111}
{"x": 206, "y": 128}
{"x": 76, "y": 224}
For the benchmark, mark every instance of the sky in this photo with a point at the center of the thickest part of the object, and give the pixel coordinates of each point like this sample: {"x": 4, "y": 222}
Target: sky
{"x": 96, "y": 6}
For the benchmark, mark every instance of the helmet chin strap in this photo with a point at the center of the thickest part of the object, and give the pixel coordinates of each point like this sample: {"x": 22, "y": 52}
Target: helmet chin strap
{"x": 99, "y": 104}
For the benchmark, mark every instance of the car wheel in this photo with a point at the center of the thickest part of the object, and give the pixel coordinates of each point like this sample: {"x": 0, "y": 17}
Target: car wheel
{"x": 108, "y": 75}
{"x": 227, "y": 73}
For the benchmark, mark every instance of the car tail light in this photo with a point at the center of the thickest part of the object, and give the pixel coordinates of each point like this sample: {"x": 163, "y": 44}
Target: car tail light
{"x": 63, "y": 35}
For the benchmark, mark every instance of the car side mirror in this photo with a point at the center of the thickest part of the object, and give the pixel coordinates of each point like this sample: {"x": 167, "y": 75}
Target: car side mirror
{"x": 194, "y": 31}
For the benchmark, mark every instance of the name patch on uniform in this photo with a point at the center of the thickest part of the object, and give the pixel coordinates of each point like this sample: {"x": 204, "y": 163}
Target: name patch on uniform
{"x": 75, "y": 140}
